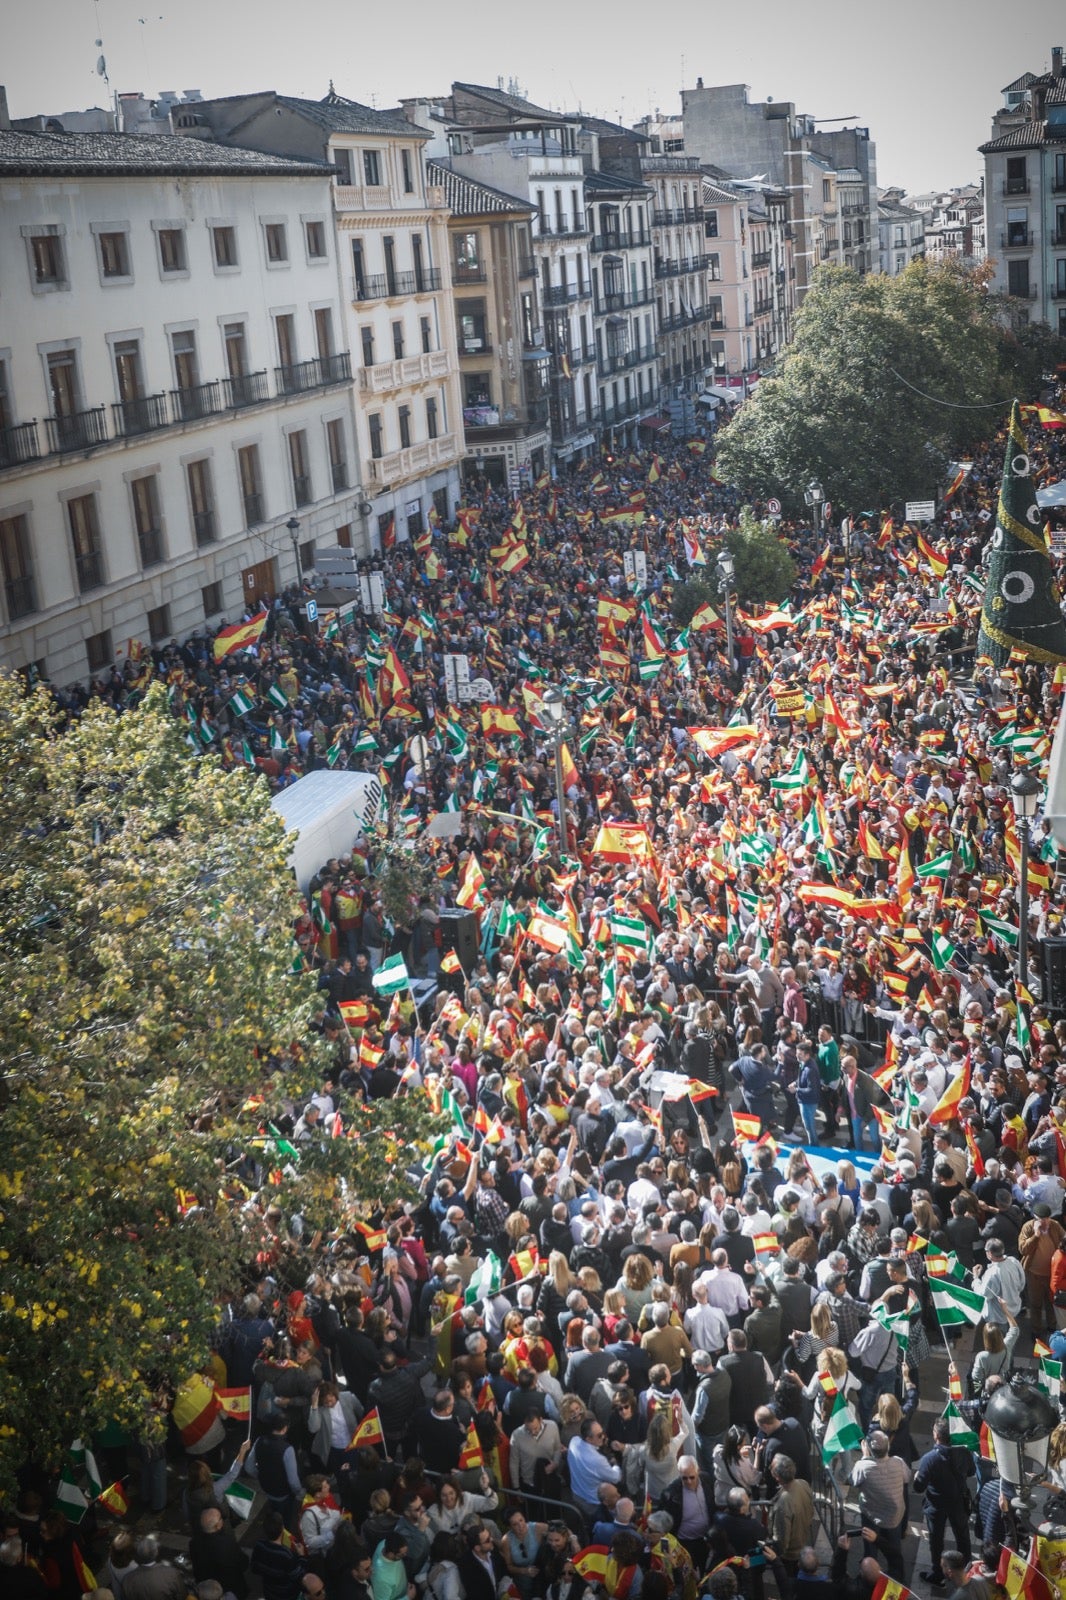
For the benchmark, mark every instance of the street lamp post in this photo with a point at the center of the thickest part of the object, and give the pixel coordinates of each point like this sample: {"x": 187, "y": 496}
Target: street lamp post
{"x": 815, "y": 498}
{"x": 1025, "y": 798}
{"x": 555, "y": 706}
{"x": 293, "y": 525}
{"x": 1021, "y": 1419}
{"x": 727, "y": 571}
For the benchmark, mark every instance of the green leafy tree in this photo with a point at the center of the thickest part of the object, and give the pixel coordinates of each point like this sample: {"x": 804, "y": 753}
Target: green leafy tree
{"x": 765, "y": 571}
{"x": 146, "y": 993}
{"x": 886, "y": 379}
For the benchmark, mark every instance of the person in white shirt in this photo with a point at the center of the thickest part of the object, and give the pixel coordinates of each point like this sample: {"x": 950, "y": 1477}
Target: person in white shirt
{"x": 707, "y": 1326}
{"x": 756, "y": 1219}
{"x": 725, "y": 1289}
{"x": 1002, "y": 1282}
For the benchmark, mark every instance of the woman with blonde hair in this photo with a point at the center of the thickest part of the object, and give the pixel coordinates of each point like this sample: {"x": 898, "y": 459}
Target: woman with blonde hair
{"x": 848, "y": 1183}
{"x": 650, "y": 1467}
{"x": 834, "y": 1363}
{"x": 558, "y": 1282}
{"x": 809, "y": 1346}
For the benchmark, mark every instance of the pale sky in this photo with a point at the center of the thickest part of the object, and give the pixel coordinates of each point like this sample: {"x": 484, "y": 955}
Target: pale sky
{"x": 923, "y": 75}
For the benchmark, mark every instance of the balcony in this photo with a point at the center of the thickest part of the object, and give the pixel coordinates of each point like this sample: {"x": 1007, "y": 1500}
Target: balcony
{"x": 563, "y": 227}
{"x": 150, "y": 544}
{"x": 253, "y": 508}
{"x": 1058, "y": 292}
{"x": 479, "y": 346}
{"x": 686, "y": 319}
{"x": 1058, "y": 239}
{"x": 582, "y": 356}
{"x": 247, "y": 389}
{"x": 19, "y": 444}
{"x": 193, "y": 404}
{"x": 318, "y": 373}
{"x": 394, "y": 285}
{"x": 20, "y": 595}
{"x": 684, "y": 264}
{"x": 81, "y": 430}
{"x": 338, "y": 475}
{"x": 623, "y": 410}
{"x": 560, "y": 294}
{"x": 472, "y": 272}
{"x": 1021, "y": 294}
{"x": 624, "y": 360}
{"x": 527, "y": 267}
{"x": 760, "y": 258}
{"x": 853, "y": 208}
{"x": 622, "y": 240}
{"x": 89, "y": 569}
{"x": 1015, "y": 186}
{"x": 387, "y": 376}
{"x": 1016, "y": 239}
{"x": 301, "y": 489}
{"x": 672, "y": 216}
{"x": 624, "y": 300}
{"x": 397, "y": 466}
{"x": 144, "y": 415}
{"x": 203, "y": 523}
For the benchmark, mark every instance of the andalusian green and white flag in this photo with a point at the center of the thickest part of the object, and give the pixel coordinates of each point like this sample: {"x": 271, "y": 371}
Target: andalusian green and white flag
{"x": 959, "y": 1429}
{"x": 508, "y": 921}
{"x": 277, "y": 697}
{"x": 943, "y": 952}
{"x": 207, "y": 732}
{"x": 630, "y": 933}
{"x": 240, "y": 1499}
{"x": 83, "y": 1460}
{"x": 485, "y": 1282}
{"x": 842, "y": 1432}
{"x": 69, "y": 1498}
{"x": 1049, "y": 1376}
{"x": 955, "y": 1304}
{"x": 449, "y": 1103}
{"x": 938, "y": 867}
{"x": 1004, "y": 932}
{"x": 897, "y": 1322}
{"x": 247, "y": 753}
{"x": 241, "y": 703}
{"x": 364, "y": 744}
{"x": 458, "y": 743}
{"x": 541, "y": 844}
{"x": 333, "y": 754}
{"x": 391, "y": 976}
{"x": 609, "y": 986}
{"x": 797, "y": 777}
{"x": 650, "y": 667}
{"x": 277, "y": 741}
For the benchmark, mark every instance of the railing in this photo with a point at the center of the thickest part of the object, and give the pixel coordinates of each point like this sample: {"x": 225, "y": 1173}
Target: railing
{"x": 199, "y": 400}
{"x": 388, "y": 375}
{"x": 686, "y": 319}
{"x": 314, "y": 374}
{"x": 623, "y": 240}
{"x": 204, "y": 527}
{"x": 582, "y": 355}
{"x": 150, "y": 541}
{"x": 391, "y": 285}
{"x": 129, "y": 417}
{"x": 301, "y": 489}
{"x": 557, "y": 294}
{"x": 471, "y": 273}
{"x": 20, "y": 595}
{"x": 672, "y": 215}
{"x": 19, "y": 444}
{"x": 1017, "y": 239}
{"x": 338, "y": 472}
{"x": 1021, "y": 294}
{"x": 247, "y": 389}
{"x": 81, "y": 430}
{"x": 563, "y": 227}
{"x": 89, "y": 570}
{"x": 253, "y": 508}
{"x": 624, "y": 299}
{"x": 1015, "y": 186}
{"x": 762, "y": 307}
{"x": 760, "y": 258}
{"x": 1059, "y": 238}
{"x": 622, "y": 411}
{"x": 527, "y": 267}
{"x": 748, "y": 319}
{"x": 676, "y": 269}
{"x": 625, "y": 360}
{"x": 853, "y": 208}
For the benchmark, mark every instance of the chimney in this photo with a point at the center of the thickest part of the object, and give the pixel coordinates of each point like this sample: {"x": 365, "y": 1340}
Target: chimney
{"x": 5, "y": 120}
{"x": 1056, "y": 61}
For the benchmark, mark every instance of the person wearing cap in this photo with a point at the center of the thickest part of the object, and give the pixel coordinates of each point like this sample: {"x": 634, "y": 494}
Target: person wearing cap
{"x": 1038, "y": 1241}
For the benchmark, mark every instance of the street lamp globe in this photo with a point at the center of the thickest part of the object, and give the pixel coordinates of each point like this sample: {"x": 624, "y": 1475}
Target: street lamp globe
{"x": 1021, "y": 1419}
{"x": 726, "y": 565}
{"x": 1025, "y": 794}
{"x": 555, "y": 706}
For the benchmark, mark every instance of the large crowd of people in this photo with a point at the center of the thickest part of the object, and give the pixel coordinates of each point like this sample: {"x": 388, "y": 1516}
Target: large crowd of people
{"x": 748, "y": 1088}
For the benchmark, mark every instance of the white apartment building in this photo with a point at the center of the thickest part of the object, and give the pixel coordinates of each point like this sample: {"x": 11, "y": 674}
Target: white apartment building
{"x": 901, "y": 233}
{"x": 175, "y": 395}
{"x": 624, "y": 309}
{"x": 392, "y": 242}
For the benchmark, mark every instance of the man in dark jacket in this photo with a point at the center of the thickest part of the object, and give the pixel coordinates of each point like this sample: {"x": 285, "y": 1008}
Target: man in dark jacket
{"x": 215, "y": 1553}
{"x": 278, "y": 1567}
{"x": 755, "y": 1074}
{"x": 397, "y": 1394}
{"x": 739, "y": 1247}
{"x": 357, "y": 1354}
{"x": 747, "y": 1375}
{"x": 438, "y": 1435}
{"x": 941, "y": 1475}
{"x": 710, "y": 1408}
{"x": 244, "y": 1341}
{"x": 689, "y": 1500}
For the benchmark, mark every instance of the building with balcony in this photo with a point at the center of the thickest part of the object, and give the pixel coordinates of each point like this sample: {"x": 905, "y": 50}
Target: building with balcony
{"x": 175, "y": 388}
{"x": 901, "y": 233}
{"x": 686, "y": 249}
{"x": 503, "y": 365}
{"x": 624, "y": 290}
{"x": 503, "y": 141}
{"x": 1025, "y": 196}
{"x": 390, "y": 228}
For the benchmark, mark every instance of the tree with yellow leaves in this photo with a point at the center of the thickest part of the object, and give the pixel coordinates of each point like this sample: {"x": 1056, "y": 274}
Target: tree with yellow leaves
{"x": 147, "y": 994}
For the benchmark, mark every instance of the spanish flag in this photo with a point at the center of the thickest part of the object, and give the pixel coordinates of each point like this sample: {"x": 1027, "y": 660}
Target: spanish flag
{"x": 369, "y": 1431}
{"x": 820, "y": 564}
{"x": 235, "y": 1402}
{"x": 623, "y": 841}
{"x": 937, "y": 562}
{"x": 745, "y": 1125}
{"x": 591, "y": 1563}
{"x": 356, "y": 1013}
{"x": 450, "y": 962}
{"x": 471, "y": 1455}
{"x": 239, "y": 636}
{"x": 114, "y": 1499}
{"x": 947, "y": 1107}
{"x": 376, "y": 1238}
{"x": 495, "y": 720}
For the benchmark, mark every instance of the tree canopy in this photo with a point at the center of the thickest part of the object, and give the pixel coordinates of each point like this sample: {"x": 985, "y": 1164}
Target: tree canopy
{"x": 147, "y": 1004}
{"x": 871, "y": 397}
{"x": 765, "y": 571}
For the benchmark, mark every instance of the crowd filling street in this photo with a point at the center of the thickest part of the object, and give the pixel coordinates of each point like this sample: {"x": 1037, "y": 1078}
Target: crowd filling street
{"x": 752, "y": 1196}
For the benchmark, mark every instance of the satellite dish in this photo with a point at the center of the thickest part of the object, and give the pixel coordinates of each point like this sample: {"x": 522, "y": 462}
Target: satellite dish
{"x": 101, "y": 67}
{"x": 365, "y": 508}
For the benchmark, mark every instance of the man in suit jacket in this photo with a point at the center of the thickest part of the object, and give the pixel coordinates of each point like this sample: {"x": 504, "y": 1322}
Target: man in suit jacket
{"x": 690, "y": 1503}
{"x": 862, "y": 1094}
{"x": 334, "y": 1413}
{"x": 481, "y": 1570}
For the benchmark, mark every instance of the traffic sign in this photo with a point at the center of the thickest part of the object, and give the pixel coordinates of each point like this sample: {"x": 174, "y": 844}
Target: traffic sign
{"x": 920, "y": 510}
{"x": 827, "y": 510}
{"x": 774, "y": 507}
{"x": 311, "y": 610}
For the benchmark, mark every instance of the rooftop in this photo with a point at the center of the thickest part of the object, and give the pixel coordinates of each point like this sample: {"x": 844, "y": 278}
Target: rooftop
{"x": 341, "y": 115}
{"x": 468, "y": 198}
{"x": 154, "y": 155}
{"x": 603, "y": 185}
